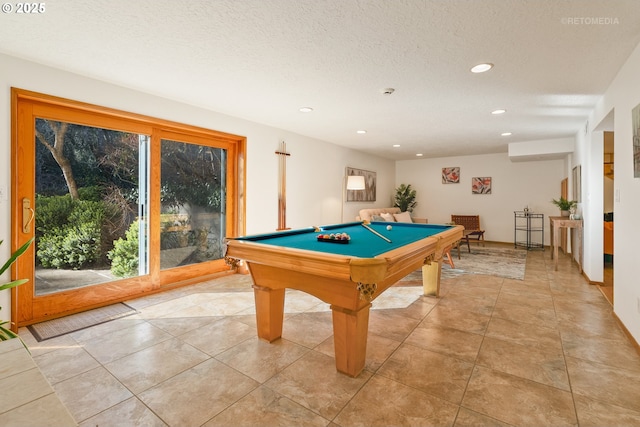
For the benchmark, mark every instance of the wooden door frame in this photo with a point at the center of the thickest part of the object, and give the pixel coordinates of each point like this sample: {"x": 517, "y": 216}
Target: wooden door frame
{"x": 24, "y": 105}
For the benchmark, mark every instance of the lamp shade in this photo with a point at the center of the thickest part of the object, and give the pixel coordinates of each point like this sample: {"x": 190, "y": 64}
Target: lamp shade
{"x": 355, "y": 182}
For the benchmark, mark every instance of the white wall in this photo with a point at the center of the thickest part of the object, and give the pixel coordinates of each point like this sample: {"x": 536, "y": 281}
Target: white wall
{"x": 315, "y": 168}
{"x": 541, "y": 149}
{"x": 621, "y": 97}
{"x": 514, "y": 186}
{"x": 592, "y": 207}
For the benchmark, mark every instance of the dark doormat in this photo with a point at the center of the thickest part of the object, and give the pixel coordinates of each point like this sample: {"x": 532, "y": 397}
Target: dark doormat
{"x": 75, "y": 322}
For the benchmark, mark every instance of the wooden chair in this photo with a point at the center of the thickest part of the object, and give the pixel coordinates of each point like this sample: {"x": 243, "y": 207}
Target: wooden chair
{"x": 472, "y": 230}
{"x": 447, "y": 254}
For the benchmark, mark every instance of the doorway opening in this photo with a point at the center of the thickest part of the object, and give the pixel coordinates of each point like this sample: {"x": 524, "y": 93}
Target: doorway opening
{"x": 608, "y": 204}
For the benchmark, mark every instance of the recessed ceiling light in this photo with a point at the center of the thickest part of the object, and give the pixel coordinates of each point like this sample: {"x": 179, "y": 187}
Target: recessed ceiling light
{"x": 306, "y": 109}
{"x": 500, "y": 111}
{"x": 481, "y": 68}
{"x": 396, "y": 145}
{"x": 506, "y": 134}
{"x": 419, "y": 155}
{"x": 361, "y": 131}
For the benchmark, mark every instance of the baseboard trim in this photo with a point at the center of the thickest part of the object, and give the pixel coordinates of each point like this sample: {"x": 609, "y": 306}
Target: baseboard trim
{"x": 626, "y": 332}
{"x": 591, "y": 282}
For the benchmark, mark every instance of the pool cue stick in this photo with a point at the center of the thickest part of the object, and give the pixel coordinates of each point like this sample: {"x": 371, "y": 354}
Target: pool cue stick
{"x": 375, "y": 232}
{"x": 282, "y": 186}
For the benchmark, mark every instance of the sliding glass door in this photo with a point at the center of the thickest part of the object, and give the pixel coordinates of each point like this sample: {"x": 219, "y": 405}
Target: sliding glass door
{"x": 119, "y": 205}
{"x": 90, "y": 202}
{"x": 192, "y": 213}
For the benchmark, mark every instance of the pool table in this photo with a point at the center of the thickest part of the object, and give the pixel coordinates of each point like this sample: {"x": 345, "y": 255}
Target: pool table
{"x": 348, "y": 276}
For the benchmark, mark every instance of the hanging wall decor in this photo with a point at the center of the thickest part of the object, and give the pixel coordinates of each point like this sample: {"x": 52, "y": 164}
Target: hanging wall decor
{"x": 481, "y": 185}
{"x": 635, "y": 120}
{"x": 369, "y": 193}
{"x": 577, "y": 183}
{"x": 451, "y": 175}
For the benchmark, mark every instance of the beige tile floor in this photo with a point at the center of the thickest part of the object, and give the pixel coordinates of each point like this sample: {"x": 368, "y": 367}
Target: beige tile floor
{"x": 545, "y": 351}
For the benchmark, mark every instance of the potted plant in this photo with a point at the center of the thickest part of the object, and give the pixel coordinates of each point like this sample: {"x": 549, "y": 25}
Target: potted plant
{"x": 564, "y": 205}
{"x": 405, "y": 198}
{"x": 6, "y": 332}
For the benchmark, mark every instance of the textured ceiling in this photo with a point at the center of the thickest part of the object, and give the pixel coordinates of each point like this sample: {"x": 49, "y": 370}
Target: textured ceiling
{"x": 264, "y": 59}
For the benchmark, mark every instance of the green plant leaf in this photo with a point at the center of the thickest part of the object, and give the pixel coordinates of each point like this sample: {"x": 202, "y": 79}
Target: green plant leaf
{"x": 13, "y": 284}
{"x": 6, "y": 334}
{"x": 563, "y": 203}
{"x": 405, "y": 198}
{"x": 15, "y": 255}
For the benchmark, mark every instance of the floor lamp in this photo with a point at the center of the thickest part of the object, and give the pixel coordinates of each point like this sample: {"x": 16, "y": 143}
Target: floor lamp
{"x": 354, "y": 182}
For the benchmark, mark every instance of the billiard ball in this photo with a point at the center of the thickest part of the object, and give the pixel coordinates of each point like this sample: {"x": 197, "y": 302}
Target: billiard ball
{"x": 389, "y": 227}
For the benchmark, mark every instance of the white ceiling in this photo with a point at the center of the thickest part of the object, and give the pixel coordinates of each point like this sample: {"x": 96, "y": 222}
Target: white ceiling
{"x": 264, "y": 59}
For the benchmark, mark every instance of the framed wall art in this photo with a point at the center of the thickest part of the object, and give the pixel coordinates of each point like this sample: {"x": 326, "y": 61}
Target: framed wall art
{"x": 369, "y": 193}
{"x": 451, "y": 175}
{"x": 577, "y": 184}
{"x": 481, "y": 185}
{"x": 635, "y": 120}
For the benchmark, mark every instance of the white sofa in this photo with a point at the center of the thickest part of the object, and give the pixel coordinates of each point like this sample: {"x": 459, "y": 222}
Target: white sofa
{"x": 367, "y": 214}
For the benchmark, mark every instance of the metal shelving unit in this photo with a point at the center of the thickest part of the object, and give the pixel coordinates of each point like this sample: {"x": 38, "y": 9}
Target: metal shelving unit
{"x": 528, "y": 230}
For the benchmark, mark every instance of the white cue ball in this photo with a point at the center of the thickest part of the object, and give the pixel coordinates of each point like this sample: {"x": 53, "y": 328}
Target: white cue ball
{"x": 389, "y": 227}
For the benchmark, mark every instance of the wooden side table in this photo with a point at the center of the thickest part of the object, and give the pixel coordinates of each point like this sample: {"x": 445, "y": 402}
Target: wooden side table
{"x": 558, "y": 222}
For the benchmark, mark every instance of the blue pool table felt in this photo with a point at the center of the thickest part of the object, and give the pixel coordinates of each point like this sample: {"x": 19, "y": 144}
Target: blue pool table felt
{"x": 363, "y": 243}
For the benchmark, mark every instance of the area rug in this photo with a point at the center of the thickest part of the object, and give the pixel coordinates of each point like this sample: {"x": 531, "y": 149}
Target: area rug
{"x": 502, "y": 262}
{"x": 75, "y": 322}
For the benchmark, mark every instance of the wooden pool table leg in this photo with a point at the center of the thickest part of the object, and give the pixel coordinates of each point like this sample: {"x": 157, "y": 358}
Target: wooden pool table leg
{"x": 350, "y": 338}
{"x": 431, "y": 278}
{"x": 269, "y": 312}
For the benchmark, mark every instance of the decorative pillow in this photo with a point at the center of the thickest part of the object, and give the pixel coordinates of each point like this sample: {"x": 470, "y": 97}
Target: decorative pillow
{"x": 387, "y": 217}
{"x": 403, "y": 217}
{"x": 377, "y": 218}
